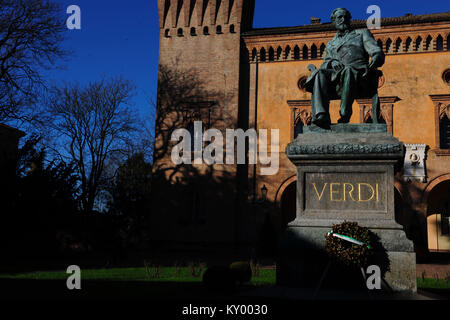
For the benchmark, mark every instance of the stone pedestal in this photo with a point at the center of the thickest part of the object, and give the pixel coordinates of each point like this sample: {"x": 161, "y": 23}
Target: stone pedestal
{"x": 344, "y": 174}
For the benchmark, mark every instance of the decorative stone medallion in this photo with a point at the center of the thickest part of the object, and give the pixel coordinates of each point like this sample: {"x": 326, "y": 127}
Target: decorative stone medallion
{"x": 414, "y": 165}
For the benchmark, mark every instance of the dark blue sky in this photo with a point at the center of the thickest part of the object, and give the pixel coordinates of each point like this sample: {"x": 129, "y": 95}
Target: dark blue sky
{"x": 121, "y": 37}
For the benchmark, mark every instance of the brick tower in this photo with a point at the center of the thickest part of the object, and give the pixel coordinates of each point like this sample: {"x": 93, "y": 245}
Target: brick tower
{"x": 201, "y": 69}
{"x": 206, "y": 35}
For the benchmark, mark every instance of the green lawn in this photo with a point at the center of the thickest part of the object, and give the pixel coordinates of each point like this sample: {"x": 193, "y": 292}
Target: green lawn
{"x": 429, "y": 283}
{"x": 121, "y": 283}
{"x": 266, "y": 276}
{"x": 133, "y": 274}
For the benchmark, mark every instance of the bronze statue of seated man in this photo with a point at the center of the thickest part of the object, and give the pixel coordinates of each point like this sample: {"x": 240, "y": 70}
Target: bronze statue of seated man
{"x": 346, "y": 72}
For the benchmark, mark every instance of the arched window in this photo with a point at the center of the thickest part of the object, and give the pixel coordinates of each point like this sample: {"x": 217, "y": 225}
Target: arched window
{"x": 322, "y": 49}
{"x": 279, "y": 53}
{"x": 439, "y": 43}
{"x": 388, "y": 46}
{"x": 380, "y": 43}
{"x": 429, "y": 43}
{"x": 219, "y": 29}
{"x": 408, "y": 45}
{"x": 298, "y": 129}
{"x": 296, "y": 53}
{"x": 167, "y": 33}
{"x": 262, "y": 55}
{"x": 313, "y": 52}
{"x": 254, "y": 54}
{"x": 271, "y": 54}
{"x": 232, "y": 29}
{"x": 448, "y": 42}
{"x": 206, "y": 31}
{"x": 180, "y": 32}
{"x": 444, "y": 132}
{"x": 398, "y": 45}
{"x": 287, "y": 53}
{"x": 419, "y": 43}
{"x": 193, "y": 33}
{"x": 305, "y": 52}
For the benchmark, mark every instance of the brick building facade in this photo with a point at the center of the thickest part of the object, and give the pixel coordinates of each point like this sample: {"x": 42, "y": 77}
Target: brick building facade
{"x": 215, "y": 68}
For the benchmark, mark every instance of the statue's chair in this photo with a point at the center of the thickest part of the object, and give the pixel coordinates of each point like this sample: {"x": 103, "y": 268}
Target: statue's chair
{"x": 369, "y": 90}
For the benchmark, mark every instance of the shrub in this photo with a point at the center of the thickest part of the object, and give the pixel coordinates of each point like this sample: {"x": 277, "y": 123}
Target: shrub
{"x": 196, "y": 269}
{"x": 148, "y": 271}
{"x": 255, "y": 268}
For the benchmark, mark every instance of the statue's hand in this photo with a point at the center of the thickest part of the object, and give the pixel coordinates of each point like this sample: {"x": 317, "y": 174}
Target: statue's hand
{"x": 337, "y": 66}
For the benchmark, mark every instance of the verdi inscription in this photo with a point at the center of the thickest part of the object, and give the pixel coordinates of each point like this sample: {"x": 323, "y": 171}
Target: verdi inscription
{"x": 339, "y": 194}
{"x": 349, "y": 191}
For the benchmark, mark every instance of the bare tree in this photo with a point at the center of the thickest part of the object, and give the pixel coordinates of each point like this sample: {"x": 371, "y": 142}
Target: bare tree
{"x": 93, "y": 124}
{"x": 31, "y": 36}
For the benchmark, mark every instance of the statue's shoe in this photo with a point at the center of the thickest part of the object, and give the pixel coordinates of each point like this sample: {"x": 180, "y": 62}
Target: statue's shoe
{"x": 322, "y": 121}
{"x": 344, "y": 119}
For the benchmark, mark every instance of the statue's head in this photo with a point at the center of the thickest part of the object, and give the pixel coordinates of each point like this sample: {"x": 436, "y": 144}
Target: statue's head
{"x": 341, "y": 19}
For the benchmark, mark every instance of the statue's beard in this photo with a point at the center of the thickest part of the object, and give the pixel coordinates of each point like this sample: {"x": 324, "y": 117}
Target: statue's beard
{"x": 342, "y": 28}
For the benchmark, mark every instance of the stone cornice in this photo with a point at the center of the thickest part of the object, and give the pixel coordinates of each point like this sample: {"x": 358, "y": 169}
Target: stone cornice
{"x": 385, "y": 22}
{"x": 440, "y": 98}
{"x": 389, "y": 99}
{"x": 299, "y": 103}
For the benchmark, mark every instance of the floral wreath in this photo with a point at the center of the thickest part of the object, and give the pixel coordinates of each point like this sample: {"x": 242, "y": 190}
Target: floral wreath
{"x": 349, "y": 244}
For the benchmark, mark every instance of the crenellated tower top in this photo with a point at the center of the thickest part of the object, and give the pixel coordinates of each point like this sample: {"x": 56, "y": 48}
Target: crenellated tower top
{"x": 200, "y": 13}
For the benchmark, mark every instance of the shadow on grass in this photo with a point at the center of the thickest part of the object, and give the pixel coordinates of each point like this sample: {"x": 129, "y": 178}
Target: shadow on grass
{"x": 27, "y": 289}
{"x": 435, "y": 293}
